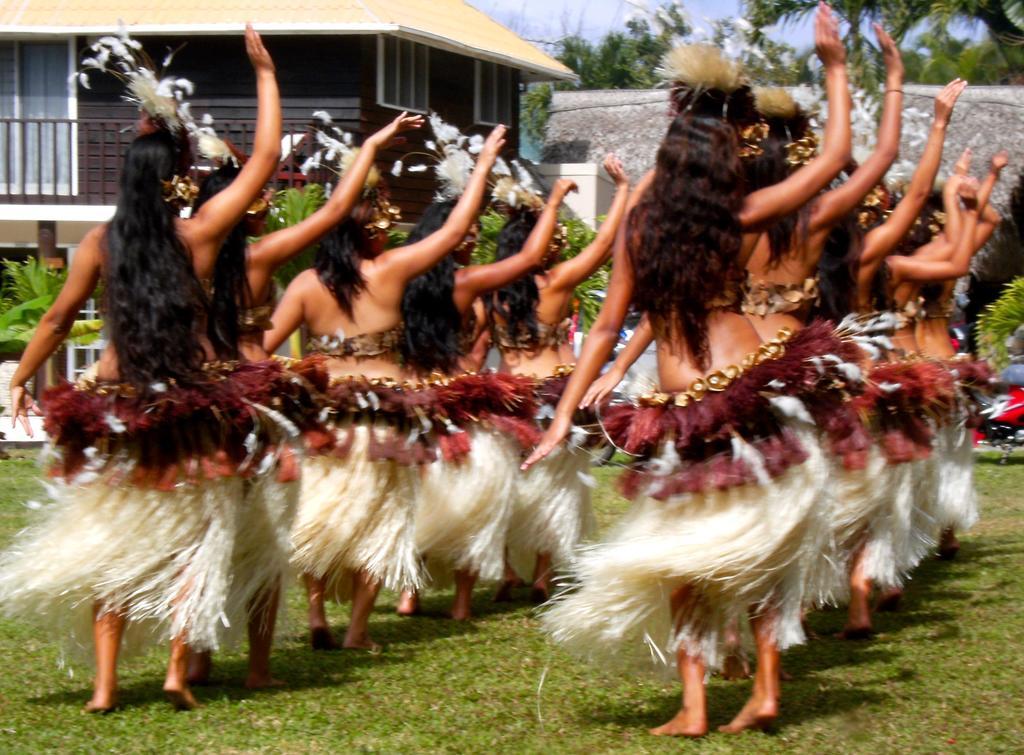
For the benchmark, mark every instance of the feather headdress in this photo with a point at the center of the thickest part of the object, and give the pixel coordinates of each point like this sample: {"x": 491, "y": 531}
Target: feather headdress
{"x": 452, "y": 153}
{"x": 161, "y": 97}
{"x": 515, "y": 187}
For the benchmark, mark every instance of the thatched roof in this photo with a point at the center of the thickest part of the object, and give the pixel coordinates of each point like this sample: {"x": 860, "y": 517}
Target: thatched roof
{"x": 586, "y": 125}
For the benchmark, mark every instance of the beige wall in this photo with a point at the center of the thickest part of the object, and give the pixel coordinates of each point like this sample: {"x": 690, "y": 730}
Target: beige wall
{"x": 596, "y": 189}
{"x": 19, "y": 223}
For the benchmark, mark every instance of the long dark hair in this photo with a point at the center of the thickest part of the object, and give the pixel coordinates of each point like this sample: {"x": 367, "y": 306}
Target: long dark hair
{"x": 837, "y": 269}
{"x": 339, "y": 255}
{"x": 432, "y": 323}
{"x": 685, "y": 236}
{"x": 920, "y": 233}
{"x": 151, "y": 290}
{"x": 771, "y": 167}
{"x": 230, "y": 282}
{"x": 516, "y": 302}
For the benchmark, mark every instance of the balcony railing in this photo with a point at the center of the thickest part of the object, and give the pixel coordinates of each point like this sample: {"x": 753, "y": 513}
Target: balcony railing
{"x": 78, "y": 161}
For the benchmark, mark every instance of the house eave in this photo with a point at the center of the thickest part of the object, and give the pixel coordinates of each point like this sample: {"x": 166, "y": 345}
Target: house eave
{"x": 532, "y": 71}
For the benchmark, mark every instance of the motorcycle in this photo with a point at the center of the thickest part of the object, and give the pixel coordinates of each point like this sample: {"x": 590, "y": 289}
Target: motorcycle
{"x": 1002, "y": 415}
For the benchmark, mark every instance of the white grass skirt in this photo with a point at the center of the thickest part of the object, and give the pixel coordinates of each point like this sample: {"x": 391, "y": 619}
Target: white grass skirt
{"x": 551, "y": 512}
{"x": 163, "y": 559}
{"x": 464, "y": 509}
{"x": 743, "y": 547}
{"x": 356, "y": 514}
{"x": 903, "y": 532}
{"x": 956, "y": 500}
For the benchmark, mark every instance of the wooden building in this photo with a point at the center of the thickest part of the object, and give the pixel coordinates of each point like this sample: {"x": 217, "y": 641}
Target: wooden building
{"x": 360, "y": 60}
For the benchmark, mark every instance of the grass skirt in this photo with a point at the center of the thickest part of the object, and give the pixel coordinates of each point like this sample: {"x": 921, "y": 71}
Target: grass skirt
{"x": 356, "y": 513}
{"x": 464, "y": 508}
{"x": 162, "y": 558}
{"x": 737, "y": 547}
{"x": 552, "y": 512}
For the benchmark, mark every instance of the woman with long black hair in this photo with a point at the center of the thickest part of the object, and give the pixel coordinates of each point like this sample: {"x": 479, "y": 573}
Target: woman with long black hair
{"x": 242, "y": 302}
{"x": 464, "y": 507}
{"x": 728, "y": 478}
{"x": 354, "y": 528}
{"x": 152, "y": 450}
{"x": 530, "y": 327}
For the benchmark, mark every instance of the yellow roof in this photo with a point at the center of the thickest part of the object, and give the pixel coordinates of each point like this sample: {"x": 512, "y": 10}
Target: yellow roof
{"x": 450, "y": 24}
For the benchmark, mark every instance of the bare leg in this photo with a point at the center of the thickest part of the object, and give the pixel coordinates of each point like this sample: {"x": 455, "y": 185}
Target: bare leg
{"x": 263, "y": 617}
{"x": 949, "y": 545}
{"x": 508, "y": 584}
{"x": 692, "y": 718}
{"x": 890, "y": 600}
{"x": 107, "y": 630}
{"x": 541, "y": 579}
{"x": 858, "y": 620}
{"x": 176, "y": 683}
{"x": 408, "y": 603}
{"x": 199, "y": 667}
{"x": 364, "y": 594}
{"x": 319, "y": 630}
{"x": 462, "y": 607}
{"x": 736, "y": 665}
{"x": 763, "y": 707}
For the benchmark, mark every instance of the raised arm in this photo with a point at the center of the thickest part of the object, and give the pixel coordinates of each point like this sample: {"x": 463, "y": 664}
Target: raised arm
{"x": 218, "y": 216}
{"x": 55, "y": 325}
{"x": 571, "y": 273}
{"x": 406, "y": 262}
{"x": 275, "y": 249}
{"x": 767, "y": 205}
{"x": 929, "y": 271}
{"x": 476, "y": 280}
{"x": 880, "y": 241}
{"x": 833, "y": 205}
{"x": 600, "y": 341}
{"x": 604, "y": 385}
{"x": 289, "y": 314}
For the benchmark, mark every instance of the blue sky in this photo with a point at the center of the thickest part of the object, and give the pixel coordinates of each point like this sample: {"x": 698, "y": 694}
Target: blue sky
{"x": 550, "y": 19}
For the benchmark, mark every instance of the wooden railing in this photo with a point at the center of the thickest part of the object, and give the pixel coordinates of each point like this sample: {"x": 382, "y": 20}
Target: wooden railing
{"x": 69, "y": 161}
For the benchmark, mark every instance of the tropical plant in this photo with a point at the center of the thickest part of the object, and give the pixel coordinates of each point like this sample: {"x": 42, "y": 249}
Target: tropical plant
{"x": 290, "y": 207}
{"x": 999, "y": 321}
{"x": 936, "y": 57}
{"x": 29, "y": 288}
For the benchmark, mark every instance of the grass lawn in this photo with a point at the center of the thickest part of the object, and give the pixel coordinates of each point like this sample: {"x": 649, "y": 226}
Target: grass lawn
{"x": 944, "y": 675}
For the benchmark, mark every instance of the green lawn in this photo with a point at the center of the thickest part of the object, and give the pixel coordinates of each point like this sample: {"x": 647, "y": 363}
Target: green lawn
{"x": 944, "y": 675}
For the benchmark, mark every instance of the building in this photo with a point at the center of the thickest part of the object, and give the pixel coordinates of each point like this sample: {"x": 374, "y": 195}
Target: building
{"x": 360, "y": 60}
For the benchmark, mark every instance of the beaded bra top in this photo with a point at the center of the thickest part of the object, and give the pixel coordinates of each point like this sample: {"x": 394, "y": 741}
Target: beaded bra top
{"x": 763, "y": 298}
{"x": 256, "y": 319}
{"x": 548, "y": 336}
{"x": 363, "y": 346}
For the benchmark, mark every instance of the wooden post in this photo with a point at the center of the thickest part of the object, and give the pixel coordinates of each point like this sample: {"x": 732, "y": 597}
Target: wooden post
{"x": 49, "y": 255}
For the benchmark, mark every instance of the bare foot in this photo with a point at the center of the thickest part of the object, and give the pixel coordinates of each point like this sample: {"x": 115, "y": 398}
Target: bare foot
{"x": 263, "y": 681}
{"x": 856, "y": 633}
{"x": 180, "y": 697}
{"x": 199, "y": 667}
{"x": 785, "y": 676}
{"x": 683, "y": 724}
{"x": 321, "y": 638}
{"x": 408, "y": 603}
{"x": 949, "y": 545}
{"x": 890, "y": 600}
{"x": 539, "y": 594}
{"x": 101, "y": 702}
{"x": 461, "y": 613}
{"x": 363, "y": 644}
{"x": 756, "y": 714}
{"x": 736, "y": 667}
{"x": 504, "y": 594}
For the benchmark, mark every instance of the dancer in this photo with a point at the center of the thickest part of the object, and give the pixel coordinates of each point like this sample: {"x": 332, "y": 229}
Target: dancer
{"x": 354, "y": 528}
{"x": 151, "y": 452}
{"x": 956, "y": 504}
{"x": 729, "y": 486}
{"x": 530, "y": 328}
{"x": 243, "y": 293}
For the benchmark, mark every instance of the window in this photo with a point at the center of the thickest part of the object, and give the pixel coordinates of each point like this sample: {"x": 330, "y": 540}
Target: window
{"x": 35, "y": 148}
{"x": 403, "y": 74}
{"x": 495, "y": 90}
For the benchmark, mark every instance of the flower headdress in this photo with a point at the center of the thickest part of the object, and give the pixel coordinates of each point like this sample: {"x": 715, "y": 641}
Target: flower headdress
{"x": 514, "y": 187}
{"x": 452, "y": 153}
{"x": 779, "y": 114}
{"x": 336, "y": 154}
{"x": 874, "y": 208}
